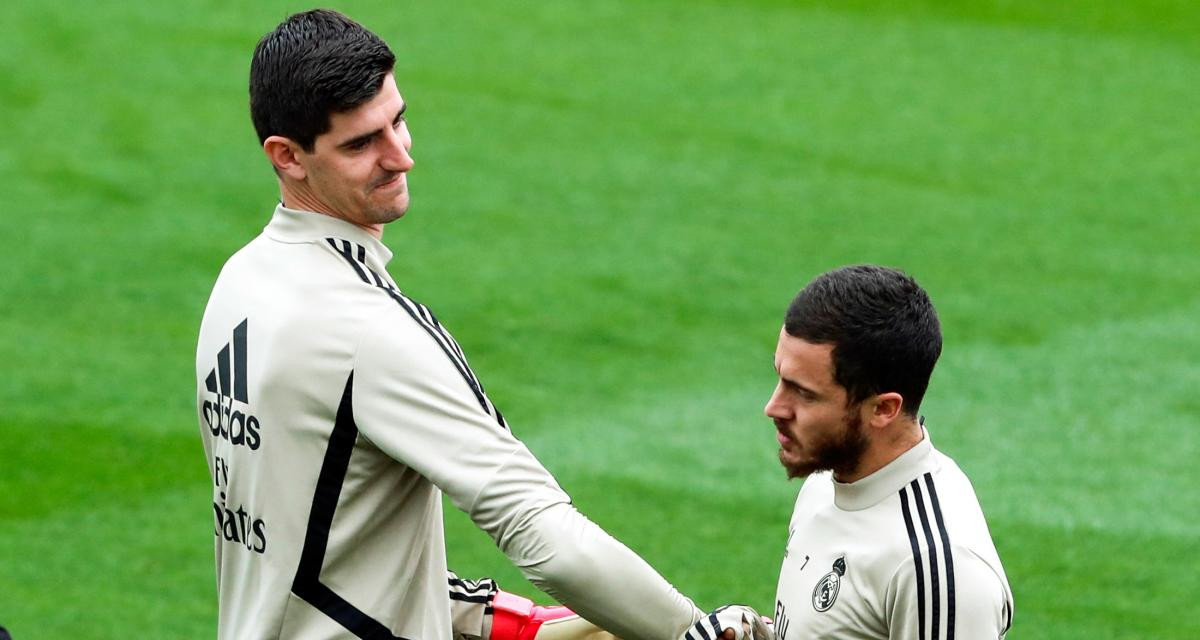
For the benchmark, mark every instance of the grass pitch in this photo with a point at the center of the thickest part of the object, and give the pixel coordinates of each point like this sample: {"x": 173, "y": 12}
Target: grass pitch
{"x": 613, "y": 203}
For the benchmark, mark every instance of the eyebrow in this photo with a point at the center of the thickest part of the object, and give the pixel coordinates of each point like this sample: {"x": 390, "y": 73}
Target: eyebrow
{"x": 367, "y": 137}
{"x": 796, "y": 385}
{"x": 803, "y": 389}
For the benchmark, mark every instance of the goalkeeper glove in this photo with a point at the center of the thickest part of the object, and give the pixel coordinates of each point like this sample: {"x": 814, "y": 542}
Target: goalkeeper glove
{"x": 517, "y": 618}
{"x": 744, "y": 621}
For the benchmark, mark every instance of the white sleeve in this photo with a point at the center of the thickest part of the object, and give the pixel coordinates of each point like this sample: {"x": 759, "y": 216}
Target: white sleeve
{"x": 980, "y": 603}
{"x": 414, "y": 400}
{"x": 577, "y": 563}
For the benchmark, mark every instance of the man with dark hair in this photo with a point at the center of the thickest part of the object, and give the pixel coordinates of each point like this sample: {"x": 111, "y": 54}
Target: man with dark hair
{"x": 335, "y": 410}
{"x": 887, "y": 539}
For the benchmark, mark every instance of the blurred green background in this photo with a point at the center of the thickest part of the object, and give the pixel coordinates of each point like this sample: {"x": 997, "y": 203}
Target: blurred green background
{"x": 613, "y": 204}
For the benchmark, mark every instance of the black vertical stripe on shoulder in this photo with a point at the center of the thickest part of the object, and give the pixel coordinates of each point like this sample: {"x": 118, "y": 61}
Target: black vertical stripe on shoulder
{"x": 941, "y": 525}
{"x": 934, "y": 575}
{"x": 449, "y": 346}
{"x": 307, "y": 584}
{"x": 379, "y": 282}
{"x": 918, "y": 565}
{"x": 436, "y": 329}
{"x": 357, "y": 257}
{"x": 431, "y": 322}
{"x": 344, "y": 249}
{"x": 424, "y": 318}
{"x": 443, "y": 342}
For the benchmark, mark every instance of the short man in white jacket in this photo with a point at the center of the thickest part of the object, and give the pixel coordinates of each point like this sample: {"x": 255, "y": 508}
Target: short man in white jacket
{"x": 887, "y": 539}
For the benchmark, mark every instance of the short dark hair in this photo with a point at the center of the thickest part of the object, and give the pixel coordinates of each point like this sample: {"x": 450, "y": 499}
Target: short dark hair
{"x": 885, "y": 333}
{"x": 314, "y": 64}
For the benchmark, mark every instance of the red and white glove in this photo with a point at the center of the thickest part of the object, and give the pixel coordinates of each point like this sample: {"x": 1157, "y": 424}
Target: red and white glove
{"x": 517, "y": 618}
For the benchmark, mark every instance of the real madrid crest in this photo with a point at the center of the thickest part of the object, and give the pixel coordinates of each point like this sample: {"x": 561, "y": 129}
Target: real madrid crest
{"x": 826, "y": 591}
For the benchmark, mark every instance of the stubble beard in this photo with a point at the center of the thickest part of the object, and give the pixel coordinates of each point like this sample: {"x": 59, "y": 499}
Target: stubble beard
{"x": 383, "y": 213}
{"x": 840, "y": 454}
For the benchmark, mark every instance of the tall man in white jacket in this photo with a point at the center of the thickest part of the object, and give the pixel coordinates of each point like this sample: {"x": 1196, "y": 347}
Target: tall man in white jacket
{"x": 887, "y": 539}
{"x": 335, "y": 410}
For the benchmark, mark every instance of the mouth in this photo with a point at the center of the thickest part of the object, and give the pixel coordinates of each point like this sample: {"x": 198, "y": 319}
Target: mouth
{"x": 390, "y": 183}
{"x": 784, "y": 439}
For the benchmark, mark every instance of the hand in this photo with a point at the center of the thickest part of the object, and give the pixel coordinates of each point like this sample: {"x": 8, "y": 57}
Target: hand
{"x": 517, "y": 618}
{"x": 731, "y": 622}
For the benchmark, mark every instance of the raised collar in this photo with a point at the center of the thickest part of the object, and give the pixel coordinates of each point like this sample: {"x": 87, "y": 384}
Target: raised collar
{"x": 868, "y": 491}
{"x": 294, "y": 226}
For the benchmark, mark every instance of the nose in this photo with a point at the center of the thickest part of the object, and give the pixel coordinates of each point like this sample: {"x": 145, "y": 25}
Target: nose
{"x": 396, "y": 157}
{"x": 775, "y": 408}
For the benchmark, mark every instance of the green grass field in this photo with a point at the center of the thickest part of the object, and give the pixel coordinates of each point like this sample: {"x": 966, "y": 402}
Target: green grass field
{"x": 613, "y": 204}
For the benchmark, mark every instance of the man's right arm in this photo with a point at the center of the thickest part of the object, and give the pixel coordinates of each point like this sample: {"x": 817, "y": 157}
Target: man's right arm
{"x": 421, "y": 405}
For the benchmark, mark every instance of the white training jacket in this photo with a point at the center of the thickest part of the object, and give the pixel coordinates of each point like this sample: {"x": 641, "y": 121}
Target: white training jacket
{"x": 335, "y": 411}
{"x": 903, "y": 554}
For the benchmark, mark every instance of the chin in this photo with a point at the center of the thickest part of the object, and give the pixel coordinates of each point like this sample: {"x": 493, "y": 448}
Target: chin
{"x": 398, "y": 207}
{"x": 796, "y": 468}
{"x": 386, "y": 214}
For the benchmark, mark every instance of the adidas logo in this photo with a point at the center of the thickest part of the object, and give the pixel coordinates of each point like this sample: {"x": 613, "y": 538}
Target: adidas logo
{"x": 227, "y": 383}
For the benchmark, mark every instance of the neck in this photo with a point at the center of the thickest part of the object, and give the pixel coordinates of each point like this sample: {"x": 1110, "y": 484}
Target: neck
{"x": 301, "y": 198}
{"x": 890, "y": 443}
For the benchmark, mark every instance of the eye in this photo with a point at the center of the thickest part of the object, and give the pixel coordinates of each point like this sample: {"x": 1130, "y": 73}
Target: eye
{"x": 803, "y": 394}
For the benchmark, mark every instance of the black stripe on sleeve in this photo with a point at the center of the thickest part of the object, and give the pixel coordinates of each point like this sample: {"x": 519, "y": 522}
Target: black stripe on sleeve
{"x": 941, "y": 525}
{"x": 918, "y": 565}
{"x": 473, "y": 380}
{"x": 431, "y": 322}
{"x": 934, "y": 574}
{"x": 443, "y": 343}
{"x": 379, "y": 282}
{"x": 486, "y": 585}
{"x": 424, "y": 318}
{"x": 307, "y": 584}
{"x": 362, "y": 264}
{"x": 482, "y": 591}
{"x": 477, "y": 599}
{"x": 345, "y": 251}
{"x": 357, "y": 257}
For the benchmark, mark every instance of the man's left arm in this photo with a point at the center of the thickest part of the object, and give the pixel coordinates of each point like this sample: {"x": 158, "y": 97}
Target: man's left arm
{"x": 976, "y": 602}
{"x": 983, "y": 605}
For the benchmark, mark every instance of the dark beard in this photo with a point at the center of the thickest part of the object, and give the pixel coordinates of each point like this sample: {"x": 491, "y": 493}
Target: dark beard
{"x": 840, "y": 454}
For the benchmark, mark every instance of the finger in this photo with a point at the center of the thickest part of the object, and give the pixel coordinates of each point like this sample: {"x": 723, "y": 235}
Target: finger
{"x": 729, "y": 634}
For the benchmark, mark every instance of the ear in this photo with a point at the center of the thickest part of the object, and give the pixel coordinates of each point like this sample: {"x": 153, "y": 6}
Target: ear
{"x": 883, "y": 409}
{"x": 285, "y": 155}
